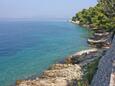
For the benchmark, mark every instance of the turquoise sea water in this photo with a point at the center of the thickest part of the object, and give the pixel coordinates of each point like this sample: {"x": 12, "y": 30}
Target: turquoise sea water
{"x": 28, "y": 48}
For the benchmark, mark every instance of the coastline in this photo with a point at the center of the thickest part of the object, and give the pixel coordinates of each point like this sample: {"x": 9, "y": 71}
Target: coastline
{"x": 74, "y": 65}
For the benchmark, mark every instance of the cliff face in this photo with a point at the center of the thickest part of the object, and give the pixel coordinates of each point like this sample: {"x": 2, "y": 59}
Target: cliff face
{"x": 105, "y": 75}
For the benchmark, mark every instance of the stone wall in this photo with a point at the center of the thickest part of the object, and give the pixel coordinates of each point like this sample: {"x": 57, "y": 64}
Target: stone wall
{"x": 105, "y": 75}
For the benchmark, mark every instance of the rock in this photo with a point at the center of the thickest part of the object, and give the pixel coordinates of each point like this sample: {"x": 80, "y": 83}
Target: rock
{"x": 70, "y": 72}
{"x": 56, "y": 76}
{"x": 46, "y": 82}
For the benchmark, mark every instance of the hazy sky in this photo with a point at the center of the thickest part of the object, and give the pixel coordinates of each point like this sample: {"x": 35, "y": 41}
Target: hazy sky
{"x": 42, "y": 8}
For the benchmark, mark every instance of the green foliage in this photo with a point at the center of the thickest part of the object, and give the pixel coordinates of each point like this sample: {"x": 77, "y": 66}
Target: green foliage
{"x": 82, "y": 83}
{"x": 90, "y": 70}
{"x": 96, "y": 17}
{"x": 108, "y": 7}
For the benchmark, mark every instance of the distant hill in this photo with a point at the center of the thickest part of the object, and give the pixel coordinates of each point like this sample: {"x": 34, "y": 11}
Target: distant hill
{"x": 102, "y": 16}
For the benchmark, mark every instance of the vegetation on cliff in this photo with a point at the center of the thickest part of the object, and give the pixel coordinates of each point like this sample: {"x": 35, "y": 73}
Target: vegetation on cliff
{"x": 102, "y": 16}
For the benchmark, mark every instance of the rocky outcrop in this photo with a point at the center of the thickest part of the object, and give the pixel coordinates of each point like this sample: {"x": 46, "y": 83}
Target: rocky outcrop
{"x": 84, "y": 57}
{"x": 100, "y": 39}
{"x": 68, "y": 71}
{"x": 101, "y": 34}
{"x": 97, "y": 41}
{"x": 75, "y": 22}
{"x": 58, "y": 75}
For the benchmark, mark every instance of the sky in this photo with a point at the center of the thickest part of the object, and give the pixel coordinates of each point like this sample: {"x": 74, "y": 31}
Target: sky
{"x": 42, "y": 9}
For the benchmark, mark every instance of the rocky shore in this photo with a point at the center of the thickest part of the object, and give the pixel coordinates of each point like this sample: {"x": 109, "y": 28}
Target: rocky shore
{"x": 58, "y": 75}
{"x": 77, "y": 68}
{"x": 67, "y": 74}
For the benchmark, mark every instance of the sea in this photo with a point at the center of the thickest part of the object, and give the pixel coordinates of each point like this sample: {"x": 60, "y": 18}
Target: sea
{"x": 27, "y": 48}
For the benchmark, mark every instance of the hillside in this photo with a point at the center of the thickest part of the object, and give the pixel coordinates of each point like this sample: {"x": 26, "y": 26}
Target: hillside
{"x": 102, "y": 16}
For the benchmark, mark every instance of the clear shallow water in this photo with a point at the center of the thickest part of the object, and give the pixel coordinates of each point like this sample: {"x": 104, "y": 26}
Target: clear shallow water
{"x": 28, "y": 48}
